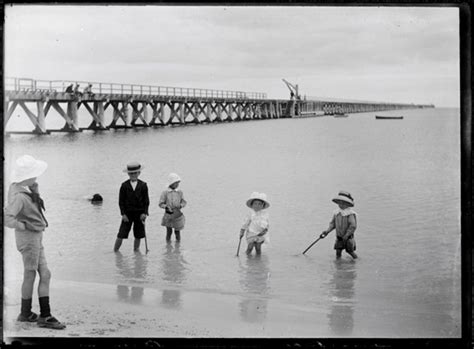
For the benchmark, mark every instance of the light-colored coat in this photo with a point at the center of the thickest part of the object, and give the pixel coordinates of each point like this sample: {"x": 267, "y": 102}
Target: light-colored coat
{"x": 174, "y": 199}
{"x": 21, "y": 208}
{"x": 345, "y": 223}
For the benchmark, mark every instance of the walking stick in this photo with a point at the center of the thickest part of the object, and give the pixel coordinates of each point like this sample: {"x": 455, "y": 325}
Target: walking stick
{"x": 320, "y": 237}
{"x": 146, "y": 243}
{"x": 238, "y": 248}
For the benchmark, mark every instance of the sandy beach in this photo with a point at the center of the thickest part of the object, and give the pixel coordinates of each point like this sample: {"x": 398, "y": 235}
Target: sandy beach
{"x": 106, "y": 311}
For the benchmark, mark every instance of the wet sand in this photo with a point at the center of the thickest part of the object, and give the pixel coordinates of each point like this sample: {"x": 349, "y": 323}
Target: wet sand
{"x": 103, "y": 310}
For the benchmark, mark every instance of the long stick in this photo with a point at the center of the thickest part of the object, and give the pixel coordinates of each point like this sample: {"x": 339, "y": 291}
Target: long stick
{"x": 312, "y": 245}
{"x": 238, "y": 248}
{"x": 146, "y": 243}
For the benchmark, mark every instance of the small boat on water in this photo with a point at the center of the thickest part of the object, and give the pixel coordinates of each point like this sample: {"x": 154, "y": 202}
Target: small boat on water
{"x": 340, "y": 115}
{"x": 388, "y": 117}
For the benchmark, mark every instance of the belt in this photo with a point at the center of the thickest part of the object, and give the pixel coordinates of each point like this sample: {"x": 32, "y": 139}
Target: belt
{"x": 349, "y": 237}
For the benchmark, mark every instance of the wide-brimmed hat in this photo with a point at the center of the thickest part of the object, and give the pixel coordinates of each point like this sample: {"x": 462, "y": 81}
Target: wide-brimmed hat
{"x": 27, "y": 167}
{"x": 133, "y": 167}
{"x": 173, "y": 178}
{"x": 345, "y": 197}
{"x": 258, "y": 196}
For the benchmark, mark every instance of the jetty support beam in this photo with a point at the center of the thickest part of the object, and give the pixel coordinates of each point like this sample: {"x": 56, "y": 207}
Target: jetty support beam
{"x": 39, "y": 126}
{"x": 9, "y": 112}
{"x": 138, "y": 114}
{"x": 97, "y": 116}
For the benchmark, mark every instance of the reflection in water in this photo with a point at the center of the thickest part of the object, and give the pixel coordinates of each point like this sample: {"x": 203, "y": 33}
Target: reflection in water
{"x": 173, "y": 272}
{"x": 129, "y": 274}
{"x": 341, "y": 317}
{"x": 254, "y": 280}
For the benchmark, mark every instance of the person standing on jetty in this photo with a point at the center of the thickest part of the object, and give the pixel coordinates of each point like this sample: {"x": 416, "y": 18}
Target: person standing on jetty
{"x": 24, "y": 213}
{"x": 256, "y": 224}
{"x": 76, "y": 90}
{"x": 88, "y": 90}
{"x": 133, "y": 203}
{"x": 70, "y": 89}
{"x": 344, "y": 220}
{"x": 172, "y": 201}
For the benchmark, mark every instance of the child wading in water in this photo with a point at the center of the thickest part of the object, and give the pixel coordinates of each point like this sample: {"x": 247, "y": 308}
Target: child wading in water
{"x": 24, "y": 213}
{"x": 256, "y": 224}
{"x": 133, "y": 203}
{"x": 172, "y": 201}
{"x": 344, "y": 220}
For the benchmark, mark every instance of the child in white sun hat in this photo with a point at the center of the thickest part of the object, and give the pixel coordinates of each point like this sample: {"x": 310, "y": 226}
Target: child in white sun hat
{"x": 24, "y": 213}
{"x": 256, "y": 223}
{"x": 172, "y": 201}
{"x": 344, "y": 220}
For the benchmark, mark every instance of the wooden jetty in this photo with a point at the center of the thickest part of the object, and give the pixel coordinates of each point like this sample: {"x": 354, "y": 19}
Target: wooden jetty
{"x": 149, "y": 106}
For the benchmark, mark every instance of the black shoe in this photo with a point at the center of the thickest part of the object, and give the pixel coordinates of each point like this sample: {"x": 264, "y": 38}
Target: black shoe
{"x": 50, "y": 322}
{"x": 30, "y": 318}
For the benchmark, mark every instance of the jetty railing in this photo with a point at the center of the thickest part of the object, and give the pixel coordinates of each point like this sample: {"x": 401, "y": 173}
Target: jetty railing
{"x": 25, "y": 84}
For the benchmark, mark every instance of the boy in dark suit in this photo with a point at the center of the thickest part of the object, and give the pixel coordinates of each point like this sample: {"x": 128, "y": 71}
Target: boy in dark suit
{"x": 133, "y": 202}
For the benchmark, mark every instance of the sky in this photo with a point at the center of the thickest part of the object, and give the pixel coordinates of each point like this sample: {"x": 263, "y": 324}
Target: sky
{"x": 384, "y": 54}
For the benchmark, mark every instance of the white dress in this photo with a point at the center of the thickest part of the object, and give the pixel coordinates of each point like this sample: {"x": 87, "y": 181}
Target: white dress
{"x": 254, "y": 224}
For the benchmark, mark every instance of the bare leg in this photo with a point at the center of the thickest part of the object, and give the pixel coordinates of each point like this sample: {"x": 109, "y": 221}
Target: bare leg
{"x": 338, "y": 253}
{"x": 28, "y": 283}
{"x": 118, "y": 243}
{"x": 250, "y": 247}
{"x": 353, "y": 254}
{"x": 258, "y": 248}
{"x": 169, "y": 231}
{"x": 136, "y": 244}
{"x": 45, "y": 278}
{"x": 177, "y": 234}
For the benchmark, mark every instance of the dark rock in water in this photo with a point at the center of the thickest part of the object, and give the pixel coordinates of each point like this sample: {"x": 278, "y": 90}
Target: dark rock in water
{"x": 97, "y": 198}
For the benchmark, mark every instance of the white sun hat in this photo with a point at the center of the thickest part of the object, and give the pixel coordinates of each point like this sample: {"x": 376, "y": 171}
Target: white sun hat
{"x": 173, "y": 178}
{"x": 258, "y": 196}
{"x": 27, "y": 167}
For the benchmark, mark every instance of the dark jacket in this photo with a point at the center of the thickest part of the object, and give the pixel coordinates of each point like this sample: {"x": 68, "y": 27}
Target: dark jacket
{"x": 136, "y": 201}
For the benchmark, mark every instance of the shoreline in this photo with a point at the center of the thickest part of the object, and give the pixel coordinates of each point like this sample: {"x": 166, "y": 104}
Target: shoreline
{"x": 108, "y": 311}
{"x": 98, "y": 310}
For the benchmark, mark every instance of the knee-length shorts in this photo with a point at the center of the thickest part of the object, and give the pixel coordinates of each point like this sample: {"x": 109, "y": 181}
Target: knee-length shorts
{"x": 30, "y": 245}
{"x": 138, "y": 226}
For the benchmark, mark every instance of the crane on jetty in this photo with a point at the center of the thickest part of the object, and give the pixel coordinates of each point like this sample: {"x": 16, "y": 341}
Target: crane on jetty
{"x": 293, "y": 90}
{"x": 292, "y": 107}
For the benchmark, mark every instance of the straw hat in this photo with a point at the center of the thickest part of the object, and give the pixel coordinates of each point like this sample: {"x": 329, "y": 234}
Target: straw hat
{"x": 27, "y": 167}
{"x": 258, "y": 196}
{"x": 345, "y": 197}
{"x": 173, "y": 178}
{"x": 133, "y": 167}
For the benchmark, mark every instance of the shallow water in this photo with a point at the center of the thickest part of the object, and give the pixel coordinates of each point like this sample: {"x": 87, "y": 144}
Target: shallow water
{"x": 404, "y": 176}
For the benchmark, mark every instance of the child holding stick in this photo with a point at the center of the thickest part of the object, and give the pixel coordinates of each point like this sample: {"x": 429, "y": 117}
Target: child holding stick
{"x": 344, "y": 220}
{"x": 133, "y": 203}
{"x": 256, "y": 224}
